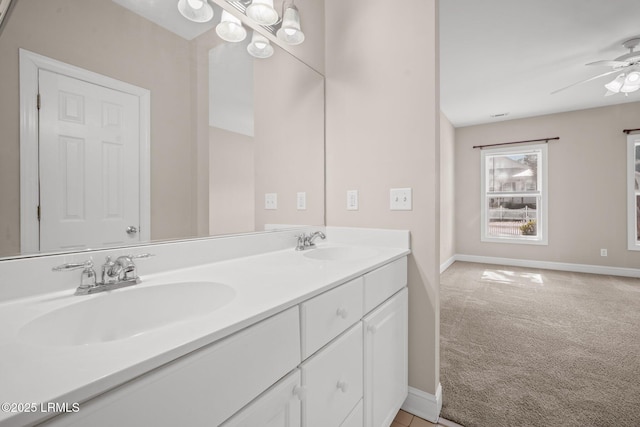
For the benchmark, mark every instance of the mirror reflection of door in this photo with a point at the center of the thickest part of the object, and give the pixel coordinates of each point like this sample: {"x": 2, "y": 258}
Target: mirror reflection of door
{"x": 89, "y": 155}
{"x": 84, "y": 158}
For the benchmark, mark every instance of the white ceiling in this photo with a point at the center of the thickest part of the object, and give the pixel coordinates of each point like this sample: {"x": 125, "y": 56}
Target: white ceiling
{"x": 501, "y": 56}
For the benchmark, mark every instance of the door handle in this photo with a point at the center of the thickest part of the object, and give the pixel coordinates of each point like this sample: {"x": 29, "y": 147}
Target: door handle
{"x": 131, "y": 230}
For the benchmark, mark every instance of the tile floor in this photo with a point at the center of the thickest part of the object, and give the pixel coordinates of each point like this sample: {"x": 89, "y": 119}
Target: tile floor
{"x": 405, "y": 419}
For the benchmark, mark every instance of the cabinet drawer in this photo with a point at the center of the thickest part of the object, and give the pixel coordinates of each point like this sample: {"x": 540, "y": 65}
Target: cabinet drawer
{"x": 332, "y": 379}
{"x": 203, "y": 388}
{"x": 380, "y": 284}
{"x": 328, "y": 315}
{"x": 277, "y": 407}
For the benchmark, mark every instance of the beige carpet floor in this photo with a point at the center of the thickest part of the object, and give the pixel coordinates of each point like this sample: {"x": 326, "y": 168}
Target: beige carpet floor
{"x": 523, "y": 347}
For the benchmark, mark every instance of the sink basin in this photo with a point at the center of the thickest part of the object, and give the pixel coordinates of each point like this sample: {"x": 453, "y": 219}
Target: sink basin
{"x": 125, "y": 313}
{"x": 341, "y": 253}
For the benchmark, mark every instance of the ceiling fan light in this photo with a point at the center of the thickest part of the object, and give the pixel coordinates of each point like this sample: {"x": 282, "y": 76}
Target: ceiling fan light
{"x": 263, "y": 12}
{"x": 230, "y": 28}
{"x": 259, "y": 46}
{"x": 290, "y": 31}
{"x": 629, "y": 88}
{"x": 633, "y": 78}
{"x": 195, "y": 10}
{"x": 616, "y": 84}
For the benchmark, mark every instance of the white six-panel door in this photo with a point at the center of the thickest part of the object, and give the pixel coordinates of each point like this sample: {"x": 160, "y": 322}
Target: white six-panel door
{"x": 88, "y": 164}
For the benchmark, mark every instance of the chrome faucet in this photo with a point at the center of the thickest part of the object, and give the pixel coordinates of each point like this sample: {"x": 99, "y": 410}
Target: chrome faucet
{"x": 306, "y": 242}
{"x": 115, "y": 274}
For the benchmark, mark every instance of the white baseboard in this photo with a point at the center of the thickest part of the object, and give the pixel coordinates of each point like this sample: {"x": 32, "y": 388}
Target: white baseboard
{"x": 447, "y": 264}
{"x": 549, "y": 265}
{"x": 423, "y": 404}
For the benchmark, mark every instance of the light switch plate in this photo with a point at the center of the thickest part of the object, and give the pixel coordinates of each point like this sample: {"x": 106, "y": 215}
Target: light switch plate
{"x": 301, "y": 201}
{"x": 271, "y": 201}
{"x": 400, "y": 199}
{"x": 352, "y": 200}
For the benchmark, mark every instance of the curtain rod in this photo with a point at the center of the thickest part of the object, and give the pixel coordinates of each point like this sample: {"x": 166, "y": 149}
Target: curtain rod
{"x": 628, "y": 131}
{"x": 518, "y": 142}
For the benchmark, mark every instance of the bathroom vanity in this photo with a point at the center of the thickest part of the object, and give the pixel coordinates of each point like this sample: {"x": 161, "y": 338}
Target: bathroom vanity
{"x": 297, "y": 338}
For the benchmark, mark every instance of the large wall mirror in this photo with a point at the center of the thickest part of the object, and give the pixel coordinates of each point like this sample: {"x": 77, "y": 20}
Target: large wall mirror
{"x": 149, "y": 127}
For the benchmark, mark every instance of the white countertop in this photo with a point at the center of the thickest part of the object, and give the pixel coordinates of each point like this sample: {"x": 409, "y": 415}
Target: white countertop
{"x": 264, "y": 284}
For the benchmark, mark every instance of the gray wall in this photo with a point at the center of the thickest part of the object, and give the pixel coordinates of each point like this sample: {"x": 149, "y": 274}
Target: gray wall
{"x": 587, "y": 186}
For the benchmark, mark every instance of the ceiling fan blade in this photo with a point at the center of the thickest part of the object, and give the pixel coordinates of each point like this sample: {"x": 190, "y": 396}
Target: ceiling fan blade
{"x": 588, "y": 80}
{"x": 610, "y": 63}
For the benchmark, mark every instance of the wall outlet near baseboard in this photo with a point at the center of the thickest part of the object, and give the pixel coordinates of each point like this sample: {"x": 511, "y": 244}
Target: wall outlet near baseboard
{"x": 603, "y": 252}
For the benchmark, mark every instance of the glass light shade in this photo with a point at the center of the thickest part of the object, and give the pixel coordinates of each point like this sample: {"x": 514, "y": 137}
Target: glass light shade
{"x": 196, "y": 10}
{"x": 633, "y": 78}
{"x": 290, "y": 32}
{"x": 262, "y": 12}
{"x": 259, "y": 46}
{"x": 230, "y": 28}
{"x": 616, "y": 84}
{"x": 629, "y": 88}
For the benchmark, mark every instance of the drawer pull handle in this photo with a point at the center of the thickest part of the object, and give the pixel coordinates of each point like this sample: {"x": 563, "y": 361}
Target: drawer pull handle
{"x": 372, "y": 328}
{"x": 300, "y": 392}
{"x": 343, "y": 386}
{"x": 342, "y": 312}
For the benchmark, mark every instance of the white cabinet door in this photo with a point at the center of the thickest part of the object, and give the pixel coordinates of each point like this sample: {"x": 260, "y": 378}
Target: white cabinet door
{"x": 385, "y": 361}
{"x": 333, "y": 381}
{"x": 277, "y": 407}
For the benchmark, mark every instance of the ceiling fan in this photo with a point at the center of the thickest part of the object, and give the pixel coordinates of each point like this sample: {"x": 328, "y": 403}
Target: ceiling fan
{"x": 627, "y": 66}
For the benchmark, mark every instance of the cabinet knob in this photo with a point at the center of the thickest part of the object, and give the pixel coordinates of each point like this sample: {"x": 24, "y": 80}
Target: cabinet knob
{"x": 343, "y": 386}
{"x": 342, "y": 312}
{"x": 300, "y": 392}
{"x": 372, "y": 328}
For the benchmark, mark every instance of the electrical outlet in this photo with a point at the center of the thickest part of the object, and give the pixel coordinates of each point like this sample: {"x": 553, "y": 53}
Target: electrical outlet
{"x": 603, "y": 252}
{"x": 352, "y": 200}
{"x": 271, "y": 201}
{"x": 301, "y": 201}
{"x": 400, "y": 199}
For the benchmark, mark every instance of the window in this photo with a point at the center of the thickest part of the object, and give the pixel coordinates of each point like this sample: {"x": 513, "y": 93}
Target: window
{"x": 514, "y": 195}
{"x": 633, "y": 190}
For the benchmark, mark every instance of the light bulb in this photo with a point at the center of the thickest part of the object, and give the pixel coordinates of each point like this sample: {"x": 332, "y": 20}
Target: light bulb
{"x": 259, "y": 46}
{"x": 196, "y": 10}
{"x": 290, "y": 31}
{"x": 230, "y": 28}
{"x": 262, "y": 12}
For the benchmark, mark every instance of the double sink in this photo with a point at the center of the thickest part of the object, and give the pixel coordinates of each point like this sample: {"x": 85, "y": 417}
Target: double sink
{"x": 128, "y": 312}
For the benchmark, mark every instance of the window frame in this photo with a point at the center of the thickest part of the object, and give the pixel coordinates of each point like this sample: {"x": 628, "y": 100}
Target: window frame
{"x": 632, "y": 193}
{"x": 542, "y": 237}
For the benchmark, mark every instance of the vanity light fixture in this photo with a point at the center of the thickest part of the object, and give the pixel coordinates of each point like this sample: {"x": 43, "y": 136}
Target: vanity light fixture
{"x": 259, "y": 46}
{"x": 263, "y": 12}
{"x": 230, "y": 28}
{"x": 196, "y": 10}
{"x": 290, "y": 31}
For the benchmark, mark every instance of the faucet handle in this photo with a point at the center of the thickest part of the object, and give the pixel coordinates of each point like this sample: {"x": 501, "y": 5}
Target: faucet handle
{"x": 88, "y": 278}
{"x": 129, "y": 270}
{"x": 74, "y": 266}
{"x": 141, "y": 256}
